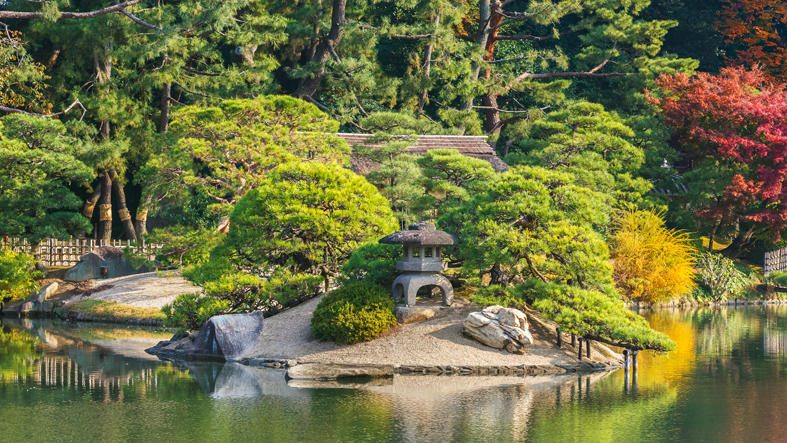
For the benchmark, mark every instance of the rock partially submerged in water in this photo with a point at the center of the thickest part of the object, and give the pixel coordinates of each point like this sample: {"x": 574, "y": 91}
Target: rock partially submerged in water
{"x": 229, "y": 337}
{"x": 335, "y": 371}
{"x": 499, "y": 328}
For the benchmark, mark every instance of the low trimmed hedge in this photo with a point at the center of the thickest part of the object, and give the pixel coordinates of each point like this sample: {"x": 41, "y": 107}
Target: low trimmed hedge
{"x": 354, "y": 313}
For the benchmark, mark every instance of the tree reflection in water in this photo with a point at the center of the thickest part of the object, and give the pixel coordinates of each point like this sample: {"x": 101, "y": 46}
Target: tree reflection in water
{"x": 725, "y": 382}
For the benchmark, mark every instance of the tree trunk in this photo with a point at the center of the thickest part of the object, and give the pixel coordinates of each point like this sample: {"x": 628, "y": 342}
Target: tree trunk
{"x": 484, "y": 25}
{"x": 141, "y": 220}
{"x": 164, "y": 107}
{"x": 498, "y": 275}
{"x": 491, "y": 113}
{"x": 310, "y": 85}
{"x": 490, "y": 19}
{"x": 427, "y": 67}
{"x": 105, "y": 208}
{"x": 90, "y": 204}
{"x": 740, "y": 244}
{"x": 122, "y": 210}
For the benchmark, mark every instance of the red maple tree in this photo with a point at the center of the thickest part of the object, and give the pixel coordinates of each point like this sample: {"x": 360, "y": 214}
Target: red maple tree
{"x": 756, "y": 31}
{"x": 740, "y": 116}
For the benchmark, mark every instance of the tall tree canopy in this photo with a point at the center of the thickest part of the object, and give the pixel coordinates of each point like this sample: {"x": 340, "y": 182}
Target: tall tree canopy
{"x": 739, "y": 119}
{"x": 40, "y": 165}
{"x": 756, "y": 32}
{"x": 217, "y": 154}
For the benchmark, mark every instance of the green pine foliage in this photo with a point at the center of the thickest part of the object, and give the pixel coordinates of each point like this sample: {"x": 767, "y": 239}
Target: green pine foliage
{"x": 307, "y": 217}
{"x": 372, "y": 262}
{"x": 595, "y": 315}
{"x": 41, "y": 164}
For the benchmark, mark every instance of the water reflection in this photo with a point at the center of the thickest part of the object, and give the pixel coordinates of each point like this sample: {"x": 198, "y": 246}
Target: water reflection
{"x": 725, "y": 382}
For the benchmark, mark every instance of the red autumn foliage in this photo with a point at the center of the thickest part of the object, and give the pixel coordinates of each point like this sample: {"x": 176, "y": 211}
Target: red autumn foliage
{"x": 756, "y": 31}
{"x": 739, "y": 116}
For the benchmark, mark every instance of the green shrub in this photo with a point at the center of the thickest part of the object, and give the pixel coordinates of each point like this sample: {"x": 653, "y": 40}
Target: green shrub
{"x": 719, "y": 276}
{"x": 354, "y": 313}
{"x": 241, "y": 292}
{"x": 778, "y": 278}
{"x": 190, "y": 311}
{"x": 211, "y": 270}
{"x": 246, "y": 292}
{"x": 17, "y": 275}
{"x": 374, "y": 263}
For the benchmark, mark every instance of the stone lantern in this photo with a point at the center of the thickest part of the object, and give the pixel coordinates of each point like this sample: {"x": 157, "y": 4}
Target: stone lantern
{"x": 422, "y": 263}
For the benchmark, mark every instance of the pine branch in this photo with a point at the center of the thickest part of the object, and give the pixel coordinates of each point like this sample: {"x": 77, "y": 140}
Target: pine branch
{"x": 527, "y": 37}
{"x": 570, "y": 74}
{"x": 139, "y": 21}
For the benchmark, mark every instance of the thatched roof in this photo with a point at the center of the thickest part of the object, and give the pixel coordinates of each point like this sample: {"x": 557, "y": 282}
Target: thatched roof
{"x": 469, "y": 145}
{"x": 421, "y": 234}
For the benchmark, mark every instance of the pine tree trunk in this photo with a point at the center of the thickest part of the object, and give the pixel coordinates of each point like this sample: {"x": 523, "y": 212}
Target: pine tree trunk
{"x": 122, "y": 209}
{"x": 427, "y": 68}
{"x": 164, "y": 107}
{"x": 740, "y": 244}
{"x": 491, "y": 113}
{"x": 310, "y": 85}
{"x": 105, "y": 208}
{"x": 90, "y": 204}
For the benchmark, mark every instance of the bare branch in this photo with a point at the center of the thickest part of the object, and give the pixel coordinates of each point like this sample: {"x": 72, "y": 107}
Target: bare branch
{"x": 411, "y": 36}
{"x": 73, "y": 105}
{"x": 27, "y": 15}
{"x": 508, "y": 111}
{"x": 571, "y": 74}
{"x": 525, "y": 37}
{"x": 139, "y": 21}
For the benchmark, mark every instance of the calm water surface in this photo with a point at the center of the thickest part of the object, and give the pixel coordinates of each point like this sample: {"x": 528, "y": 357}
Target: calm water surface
{"x": 726, "y": 382}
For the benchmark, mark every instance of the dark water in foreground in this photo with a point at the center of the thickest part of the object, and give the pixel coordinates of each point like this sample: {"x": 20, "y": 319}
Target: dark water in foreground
{"x": 726, "y": 382}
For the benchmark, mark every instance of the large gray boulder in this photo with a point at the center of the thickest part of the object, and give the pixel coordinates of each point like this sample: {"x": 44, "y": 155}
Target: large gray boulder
{"x": 499, "y": 328}
{"x": 229, "y": 337}
{"x": 232, "y": 336}
{"x": 102, "y": 262}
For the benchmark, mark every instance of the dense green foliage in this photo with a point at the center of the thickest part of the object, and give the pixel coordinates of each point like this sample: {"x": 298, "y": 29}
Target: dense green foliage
{"x": 217, "y": 154}
{"x": 17, "y": 275}
{"x": 307, "y": 217}
{"x": 40, "y": 163}
{"x": 374, "y": 262}
{"x": 184, "y": 245}
{"x": 189, "y": 311}
{"x": 165, "y": 109}
{"x": 592, "y": 314}
{"x": 354, "y": 313}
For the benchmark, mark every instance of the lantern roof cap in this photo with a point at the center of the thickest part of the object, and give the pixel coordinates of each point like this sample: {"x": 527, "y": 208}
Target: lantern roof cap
{"x": 421, "y": 234}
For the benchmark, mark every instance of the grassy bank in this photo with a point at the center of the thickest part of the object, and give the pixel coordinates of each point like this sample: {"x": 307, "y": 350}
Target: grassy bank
{"x": 99, "y": 310}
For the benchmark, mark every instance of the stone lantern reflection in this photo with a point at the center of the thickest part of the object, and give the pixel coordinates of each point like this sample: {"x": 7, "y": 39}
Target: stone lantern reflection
{"x": 422, "y": 262}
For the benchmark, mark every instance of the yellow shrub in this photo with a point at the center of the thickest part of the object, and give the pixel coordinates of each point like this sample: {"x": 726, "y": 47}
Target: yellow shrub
{"x": 652, "y": 263}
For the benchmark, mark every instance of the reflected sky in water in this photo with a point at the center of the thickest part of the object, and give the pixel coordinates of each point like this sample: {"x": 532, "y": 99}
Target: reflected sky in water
{"x": 725, "y": 382}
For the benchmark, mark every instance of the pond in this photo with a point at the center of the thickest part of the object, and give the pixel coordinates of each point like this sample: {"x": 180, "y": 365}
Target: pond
{"x": 726, "y": 382}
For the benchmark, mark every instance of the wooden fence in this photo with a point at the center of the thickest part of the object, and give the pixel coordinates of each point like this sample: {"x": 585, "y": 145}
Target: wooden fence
{"x": 55, "y": 253}
{"x": 775, "y": 261}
